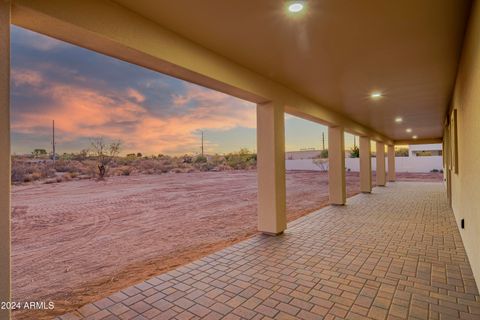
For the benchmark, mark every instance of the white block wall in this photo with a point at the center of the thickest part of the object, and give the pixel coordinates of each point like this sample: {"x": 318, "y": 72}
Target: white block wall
{"x": 402, "y": 164}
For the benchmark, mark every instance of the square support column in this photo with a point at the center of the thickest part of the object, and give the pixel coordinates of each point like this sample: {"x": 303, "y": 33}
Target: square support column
{"x": 365, "y": 165}
{"x": 391, "y": 162}
{"x": 381, "y": 173}
{"x": 336, "y": 166}
{"x": 5, "y": 238}
{"x": 271, "y": 168}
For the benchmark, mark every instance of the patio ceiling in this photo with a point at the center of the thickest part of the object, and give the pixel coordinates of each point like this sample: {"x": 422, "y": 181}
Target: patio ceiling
{"x": 338, "y": 52}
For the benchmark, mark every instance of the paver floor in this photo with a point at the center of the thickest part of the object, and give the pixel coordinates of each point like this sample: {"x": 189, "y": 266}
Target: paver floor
{"x": 395, "y": 253}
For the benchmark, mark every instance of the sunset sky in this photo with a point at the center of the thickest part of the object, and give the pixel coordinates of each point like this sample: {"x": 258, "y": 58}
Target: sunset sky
{"x": 92, "y": 95}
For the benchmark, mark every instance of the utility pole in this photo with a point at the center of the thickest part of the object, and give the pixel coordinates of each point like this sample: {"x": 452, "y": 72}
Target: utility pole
{"x": 53, "y": 141}
{"x": 323, "y": 140}
{"x": 202, "y": 143}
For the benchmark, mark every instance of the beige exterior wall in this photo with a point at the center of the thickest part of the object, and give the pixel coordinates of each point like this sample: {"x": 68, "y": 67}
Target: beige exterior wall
{"x": 4, "y": 155}
{"x": 464, "y": 162}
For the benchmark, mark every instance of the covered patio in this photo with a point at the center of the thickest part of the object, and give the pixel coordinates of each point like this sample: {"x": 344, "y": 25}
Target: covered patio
{"x": 395, "y": 253}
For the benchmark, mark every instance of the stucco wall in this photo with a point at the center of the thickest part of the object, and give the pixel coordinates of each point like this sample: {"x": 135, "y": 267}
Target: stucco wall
{"x": 466, "y": 183}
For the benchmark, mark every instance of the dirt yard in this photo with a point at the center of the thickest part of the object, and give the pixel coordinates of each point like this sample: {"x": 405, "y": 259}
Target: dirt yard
{"x": 76, "y": 242}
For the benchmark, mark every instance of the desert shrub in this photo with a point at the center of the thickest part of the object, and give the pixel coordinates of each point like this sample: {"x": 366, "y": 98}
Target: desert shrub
{"x": 243, "y": 159}
{"x": 222, "y": 167}
{"x": 322, "y": 163}
{"x": 66, "y": 166}
{"x": 18, "y": 172}
{"x": 217, "y": 160}
{"x": 204, "y": 166}
{"x": 36, "y": 175}
{"x": 25, "y": 171}
{"x": 155, "y": 166}
{"x": 126, "y": 171}
{"x": 148, "y": 166}
{"x": 186, "y": 159}
{"x": 200, "y": 159}
{"x": 89, "y": 168}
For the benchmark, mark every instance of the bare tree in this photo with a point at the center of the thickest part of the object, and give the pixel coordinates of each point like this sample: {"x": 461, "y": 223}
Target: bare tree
{"x": 104, "y": 153}
{"x": 321, "y": 163}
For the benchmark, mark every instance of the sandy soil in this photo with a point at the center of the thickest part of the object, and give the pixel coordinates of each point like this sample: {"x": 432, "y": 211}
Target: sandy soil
{"x": 79, "y": 241}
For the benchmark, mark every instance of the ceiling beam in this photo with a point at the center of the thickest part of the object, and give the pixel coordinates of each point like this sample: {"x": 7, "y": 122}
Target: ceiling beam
{"x": 418, "y": 141}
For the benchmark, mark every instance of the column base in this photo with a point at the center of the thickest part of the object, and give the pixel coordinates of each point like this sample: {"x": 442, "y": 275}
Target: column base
{"x": 272, "y": 234}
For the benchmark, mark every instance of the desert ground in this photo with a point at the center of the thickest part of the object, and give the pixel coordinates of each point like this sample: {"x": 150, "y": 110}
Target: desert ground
{"x": 78, "y": 241}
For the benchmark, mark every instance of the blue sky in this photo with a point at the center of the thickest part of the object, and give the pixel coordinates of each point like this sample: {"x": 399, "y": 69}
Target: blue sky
{"x": 92, "y": 95}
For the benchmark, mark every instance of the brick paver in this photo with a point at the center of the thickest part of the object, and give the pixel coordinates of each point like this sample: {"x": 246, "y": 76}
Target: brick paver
{"x": 395, "y": 253}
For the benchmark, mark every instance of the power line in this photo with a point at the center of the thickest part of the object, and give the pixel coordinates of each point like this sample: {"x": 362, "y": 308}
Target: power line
{"x": 53, "y": 142}
{"x": 202, "y": 143}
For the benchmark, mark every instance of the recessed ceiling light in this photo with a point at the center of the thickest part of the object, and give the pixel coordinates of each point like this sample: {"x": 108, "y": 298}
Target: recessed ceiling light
{"x": 295, "y": 7}
{"x": 414, "y": 137}
{"x": 376, "y": 95}
{"x": 398, "y": 119}
{"x": 409, "y": 130}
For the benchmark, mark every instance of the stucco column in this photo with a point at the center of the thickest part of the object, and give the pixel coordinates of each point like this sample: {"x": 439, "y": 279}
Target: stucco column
{"x": 391, "y": 162}
{"x": 5, "y": 269}
{"x": 336, "y": 166}
{"x": 381, "y": 173}
{"x": 365, "y": 165}
{"x": 271, "y": 168}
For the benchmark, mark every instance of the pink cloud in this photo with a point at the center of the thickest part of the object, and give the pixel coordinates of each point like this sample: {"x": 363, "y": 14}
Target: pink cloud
{"x": 83, "y": 113}
{"x": 135, "y": 94}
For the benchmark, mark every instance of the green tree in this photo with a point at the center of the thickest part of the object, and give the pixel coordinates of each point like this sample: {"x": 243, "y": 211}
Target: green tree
{"x": 354, "y": 152}
{"x": 39, "y": 152}
{"x": 323, "y": 154}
